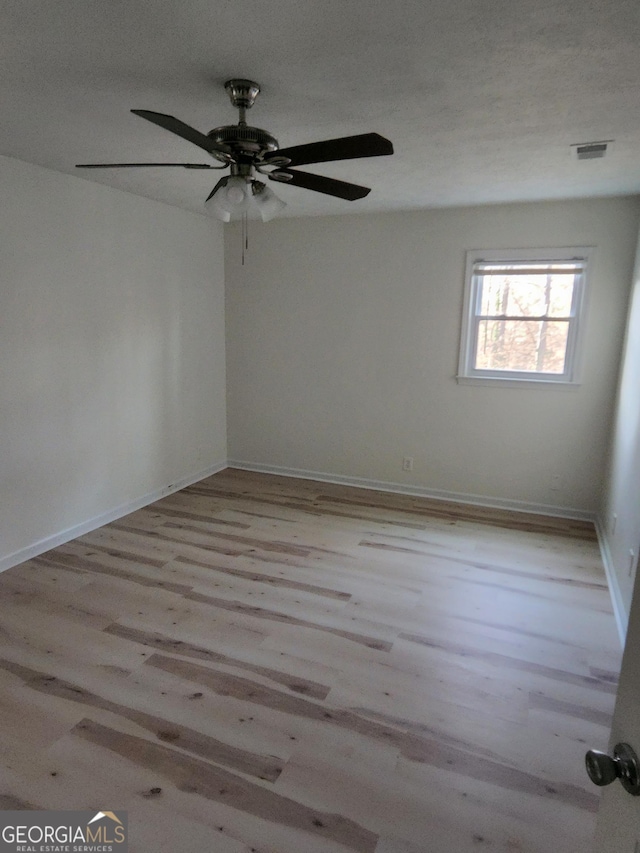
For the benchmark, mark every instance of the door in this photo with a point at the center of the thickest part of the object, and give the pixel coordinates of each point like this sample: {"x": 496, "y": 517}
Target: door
{"x": 618, "y": 827}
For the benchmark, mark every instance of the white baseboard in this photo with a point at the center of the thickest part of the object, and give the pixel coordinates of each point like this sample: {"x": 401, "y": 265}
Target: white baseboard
{"x": 49, "y": 542}
{"x": 617, "y": 601}
{"x": 417, "y": 491}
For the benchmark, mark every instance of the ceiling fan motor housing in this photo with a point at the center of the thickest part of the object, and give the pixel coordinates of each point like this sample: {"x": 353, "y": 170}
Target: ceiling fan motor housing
{"x": 243, "y": 139}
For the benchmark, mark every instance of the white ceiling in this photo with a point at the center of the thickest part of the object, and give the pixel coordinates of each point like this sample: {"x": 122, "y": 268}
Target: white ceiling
{"x": 481, "y": 98}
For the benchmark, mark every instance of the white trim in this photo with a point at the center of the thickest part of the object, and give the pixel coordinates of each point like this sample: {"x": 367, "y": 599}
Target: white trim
{"x": 617, "y": 601}
{"x": 507, "y": 382}
{"x": 417, "y": 491}
{"x": 49, "y": 542}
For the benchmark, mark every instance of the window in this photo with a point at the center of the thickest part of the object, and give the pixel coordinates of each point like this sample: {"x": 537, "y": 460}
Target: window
{"x": 523, "y": 316}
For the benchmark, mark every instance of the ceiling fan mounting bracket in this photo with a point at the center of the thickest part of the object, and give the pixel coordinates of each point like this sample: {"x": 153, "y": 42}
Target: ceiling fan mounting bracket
{"x": 243, "y": 93}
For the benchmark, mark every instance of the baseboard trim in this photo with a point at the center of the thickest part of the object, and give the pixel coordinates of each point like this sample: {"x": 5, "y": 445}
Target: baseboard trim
{"x": 49, "y": 542}
{"x": 617, "y": 601}
{"x": 417, "y": 491}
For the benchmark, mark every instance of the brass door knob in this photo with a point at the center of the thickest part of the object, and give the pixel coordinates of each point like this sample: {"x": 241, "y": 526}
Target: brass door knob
{"x": 603, "y": 770}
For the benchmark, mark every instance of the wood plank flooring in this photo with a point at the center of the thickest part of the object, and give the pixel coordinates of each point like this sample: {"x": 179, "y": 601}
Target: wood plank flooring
{"x": 281, "y": 666}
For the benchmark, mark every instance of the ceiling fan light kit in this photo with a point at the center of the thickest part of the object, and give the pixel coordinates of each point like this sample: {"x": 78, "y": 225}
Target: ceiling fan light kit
{"x": 249, "y": 151}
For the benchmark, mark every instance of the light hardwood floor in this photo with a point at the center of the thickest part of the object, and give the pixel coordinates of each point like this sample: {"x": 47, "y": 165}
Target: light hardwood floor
{"x": 275, "y": 665}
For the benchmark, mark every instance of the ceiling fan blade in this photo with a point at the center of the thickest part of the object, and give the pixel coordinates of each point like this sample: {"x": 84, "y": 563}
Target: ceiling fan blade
{"x": 139, "y": 165}
{"x": 320, "y": 184}
{"x": 347, "y": 148}
{"x": 178, "y": 127}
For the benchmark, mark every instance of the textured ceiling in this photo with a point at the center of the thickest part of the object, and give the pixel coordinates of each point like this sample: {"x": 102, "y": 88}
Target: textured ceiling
{"x": 481, "y": 98}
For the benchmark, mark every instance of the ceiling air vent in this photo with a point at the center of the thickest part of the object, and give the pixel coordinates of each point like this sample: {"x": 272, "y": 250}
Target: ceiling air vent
{"x": 591, "y": 150}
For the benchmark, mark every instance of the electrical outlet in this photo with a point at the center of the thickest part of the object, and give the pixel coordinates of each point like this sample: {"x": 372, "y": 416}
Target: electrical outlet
{"x": 614, "y": 523}
{"x": 407, "y": 463}
{"x": 556, "y": 482}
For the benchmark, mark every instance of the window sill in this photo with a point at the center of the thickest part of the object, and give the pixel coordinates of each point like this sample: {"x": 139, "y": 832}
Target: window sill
{"x": 504, "y": 382}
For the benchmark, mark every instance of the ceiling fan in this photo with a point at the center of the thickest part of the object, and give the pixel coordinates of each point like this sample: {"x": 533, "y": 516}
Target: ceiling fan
{"x": 247, "y": 150}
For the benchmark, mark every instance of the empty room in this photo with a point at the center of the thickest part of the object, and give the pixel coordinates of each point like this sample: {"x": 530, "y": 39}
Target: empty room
{"x": 320, "y": 476}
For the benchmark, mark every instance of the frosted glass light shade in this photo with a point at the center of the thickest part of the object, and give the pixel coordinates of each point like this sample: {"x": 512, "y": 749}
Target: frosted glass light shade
{"x": 232, "y": 198}
{"x": 267, "y": 202}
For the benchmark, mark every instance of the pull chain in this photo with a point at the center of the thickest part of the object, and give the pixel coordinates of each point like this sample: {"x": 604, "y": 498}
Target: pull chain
{"x": 245, "y": 235}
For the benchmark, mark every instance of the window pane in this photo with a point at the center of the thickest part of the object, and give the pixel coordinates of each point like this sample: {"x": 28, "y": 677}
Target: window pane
{"x": 561, "y": 296}
{"x": 529, "y": 295}
{"x": 523, "y": 345}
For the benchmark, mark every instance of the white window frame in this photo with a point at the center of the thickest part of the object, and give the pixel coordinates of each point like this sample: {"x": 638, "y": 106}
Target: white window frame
{"x": 468, "y": 373}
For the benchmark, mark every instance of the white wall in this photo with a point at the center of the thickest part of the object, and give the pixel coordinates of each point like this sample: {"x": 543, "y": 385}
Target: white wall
{"x": 112, "y": 359}
{"x": 621, "y": 498}
{"x": 342, "y": 348}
